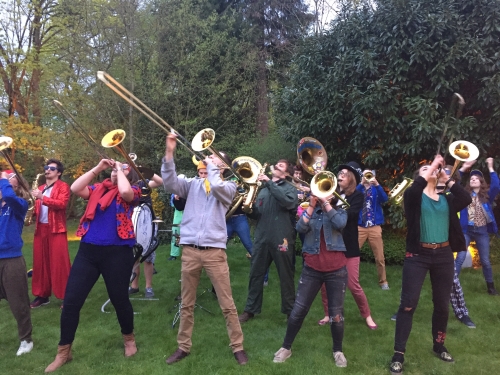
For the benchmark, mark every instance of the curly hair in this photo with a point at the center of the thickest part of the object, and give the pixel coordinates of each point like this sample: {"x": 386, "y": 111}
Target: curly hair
{"x": 483, "y": 189}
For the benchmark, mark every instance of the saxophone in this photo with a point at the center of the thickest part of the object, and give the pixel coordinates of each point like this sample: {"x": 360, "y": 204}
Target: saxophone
{"x": 28, "y": 219}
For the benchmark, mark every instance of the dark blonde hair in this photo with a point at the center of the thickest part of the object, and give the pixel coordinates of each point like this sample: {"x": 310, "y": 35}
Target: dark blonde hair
{"x": 352, "y": 183}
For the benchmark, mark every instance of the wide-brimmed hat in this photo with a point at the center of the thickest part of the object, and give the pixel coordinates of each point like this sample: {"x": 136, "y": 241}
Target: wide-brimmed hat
{"x": 354, "y": 168}
{"x": 476, "y": 172}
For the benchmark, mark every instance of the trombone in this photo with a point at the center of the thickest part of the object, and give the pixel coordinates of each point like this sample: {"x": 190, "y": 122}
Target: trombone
{"x": 114, "y": 139}
{"x": 6, "y": 142}
{"x": 144, "y": 109}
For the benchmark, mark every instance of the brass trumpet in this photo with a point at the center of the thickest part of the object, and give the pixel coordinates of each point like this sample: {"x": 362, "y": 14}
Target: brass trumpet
{"x": 6, "y": 142}
{"x": 369, "y": 176}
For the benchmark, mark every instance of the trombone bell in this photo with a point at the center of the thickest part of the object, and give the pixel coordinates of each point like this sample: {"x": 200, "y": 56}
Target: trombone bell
{"x": 203, "y": 139}
{"x": 113, "y": 138}
{"x": 323, "y": 184}
{"x": 464, "y": 151}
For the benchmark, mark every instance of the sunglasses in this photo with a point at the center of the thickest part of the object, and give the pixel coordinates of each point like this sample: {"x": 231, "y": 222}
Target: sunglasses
{"x": 447, "y": 171}
{"x": 47, "y": 167}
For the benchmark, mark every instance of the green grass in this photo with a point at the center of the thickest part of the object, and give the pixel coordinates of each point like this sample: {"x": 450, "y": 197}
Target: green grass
{"x": 98, "y": 347}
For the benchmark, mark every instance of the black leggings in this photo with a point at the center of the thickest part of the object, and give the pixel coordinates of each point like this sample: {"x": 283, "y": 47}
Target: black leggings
{"x": 114, "y": 263}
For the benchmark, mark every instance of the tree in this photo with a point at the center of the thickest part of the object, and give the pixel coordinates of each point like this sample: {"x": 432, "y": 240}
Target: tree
{"x": 377, "y": 86}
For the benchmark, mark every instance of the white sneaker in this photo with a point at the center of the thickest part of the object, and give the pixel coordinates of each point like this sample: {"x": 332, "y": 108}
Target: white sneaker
{"x": 25, "y": 347}
{"x": 340, "y": 360}
{"x": 282, "y": 355}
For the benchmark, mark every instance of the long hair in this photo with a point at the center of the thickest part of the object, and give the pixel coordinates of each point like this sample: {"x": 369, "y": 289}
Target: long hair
{"x": 482, "y": 194}
{"x": 352, "y": 183}
{"x": 20, "y": 192}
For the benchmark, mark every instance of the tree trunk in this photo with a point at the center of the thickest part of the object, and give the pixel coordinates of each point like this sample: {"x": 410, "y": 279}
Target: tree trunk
{"x": 262, "y": 99}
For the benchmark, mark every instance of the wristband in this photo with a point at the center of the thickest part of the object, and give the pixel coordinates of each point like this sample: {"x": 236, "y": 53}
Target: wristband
{"x": 306, "y": 215}
{"x": 92, "y": 170}
{"x": 324, "y": 204}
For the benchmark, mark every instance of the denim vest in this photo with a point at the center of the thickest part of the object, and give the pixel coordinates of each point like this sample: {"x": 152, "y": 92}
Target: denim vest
{"x": 332, "y": 223}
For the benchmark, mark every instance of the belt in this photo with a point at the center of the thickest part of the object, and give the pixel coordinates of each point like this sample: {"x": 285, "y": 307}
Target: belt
{"x": 198, "y": 247}
{"x": 434, "y": 245}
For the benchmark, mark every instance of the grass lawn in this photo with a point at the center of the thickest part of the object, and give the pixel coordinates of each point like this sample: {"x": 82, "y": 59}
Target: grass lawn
{"x": 98, "y": 347}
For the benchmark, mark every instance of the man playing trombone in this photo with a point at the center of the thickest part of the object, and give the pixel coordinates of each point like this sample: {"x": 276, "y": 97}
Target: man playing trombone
{"x": 203, "y": 236}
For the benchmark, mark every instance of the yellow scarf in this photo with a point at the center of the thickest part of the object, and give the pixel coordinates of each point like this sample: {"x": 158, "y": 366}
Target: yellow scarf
{"x": 207, "y": 186}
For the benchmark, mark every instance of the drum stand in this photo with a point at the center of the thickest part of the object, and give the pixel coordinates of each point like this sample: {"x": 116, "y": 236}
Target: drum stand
{"x": 178, "y": 306}
{"x": 132, "y": 277}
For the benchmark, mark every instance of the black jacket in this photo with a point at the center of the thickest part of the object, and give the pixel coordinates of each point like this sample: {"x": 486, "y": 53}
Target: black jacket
{"x": 350, "y": 232}
{"x": 457, "y": 200}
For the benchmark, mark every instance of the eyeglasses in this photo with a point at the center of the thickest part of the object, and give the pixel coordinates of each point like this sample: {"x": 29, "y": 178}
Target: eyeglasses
{"x": 341, "y": 173}
{"x": 47, "y": 167}
{"x": 123, "y": 168}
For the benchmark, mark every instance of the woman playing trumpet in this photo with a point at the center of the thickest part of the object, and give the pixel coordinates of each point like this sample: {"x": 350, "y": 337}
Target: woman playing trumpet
{"x": 105, "y": 249}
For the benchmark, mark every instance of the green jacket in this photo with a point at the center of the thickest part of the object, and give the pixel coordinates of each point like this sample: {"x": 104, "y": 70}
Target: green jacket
{"x": 274, "y": 209}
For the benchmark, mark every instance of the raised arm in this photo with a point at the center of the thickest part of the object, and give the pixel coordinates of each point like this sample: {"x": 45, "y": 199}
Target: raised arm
{"x": 80, "y": 186}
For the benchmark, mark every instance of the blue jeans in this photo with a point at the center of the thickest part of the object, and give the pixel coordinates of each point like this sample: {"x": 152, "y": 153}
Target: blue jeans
{"x": 482, "y": 238}
{"x": 439, "y": 264}
{"x": 239, "y": 224}
{"x": 309, "y": 285}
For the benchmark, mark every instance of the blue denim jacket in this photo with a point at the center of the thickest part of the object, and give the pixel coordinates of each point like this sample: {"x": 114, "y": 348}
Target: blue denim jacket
{"x": 332, "y": 223}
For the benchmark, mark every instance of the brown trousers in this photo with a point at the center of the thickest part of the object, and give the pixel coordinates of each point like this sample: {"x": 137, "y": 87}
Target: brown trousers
{"x": 374, "y": 237}
{"x": 215, "y": 263}
{"x": 14, "y": 288}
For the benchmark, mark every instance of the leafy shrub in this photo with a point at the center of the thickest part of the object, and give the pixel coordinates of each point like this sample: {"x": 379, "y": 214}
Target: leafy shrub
{"x": 394, "y": 247}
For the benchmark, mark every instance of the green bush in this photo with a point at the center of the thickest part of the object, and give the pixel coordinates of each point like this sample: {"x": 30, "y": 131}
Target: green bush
{"x": 394, "y": 247}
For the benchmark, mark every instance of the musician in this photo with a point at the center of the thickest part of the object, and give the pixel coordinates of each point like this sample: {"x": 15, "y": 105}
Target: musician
{"x": 51, "y": 262}
{"x": 105, "y": 249}
{"x": 203, "y": 236}
{"x": 371, "y": 217}
{"x": 433, "y": 234}
{"x": 274, "y": 210}
{"x": 349, "y": 176}
{"x": 324, "y": 263}
{"x": 13, "y": 278}
{"x": 148, "y": 263}
{"x": 477, "y": 220}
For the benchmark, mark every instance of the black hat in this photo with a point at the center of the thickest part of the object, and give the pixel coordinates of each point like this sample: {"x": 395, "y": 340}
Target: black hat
{"x": 354, "y": 168}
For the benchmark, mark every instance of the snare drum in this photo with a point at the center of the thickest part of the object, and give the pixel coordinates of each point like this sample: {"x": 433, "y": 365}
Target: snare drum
{"x": 144, "y": 228}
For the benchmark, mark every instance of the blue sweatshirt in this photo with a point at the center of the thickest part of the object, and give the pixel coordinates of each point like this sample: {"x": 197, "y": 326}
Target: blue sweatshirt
{"x": 11, "y": 221}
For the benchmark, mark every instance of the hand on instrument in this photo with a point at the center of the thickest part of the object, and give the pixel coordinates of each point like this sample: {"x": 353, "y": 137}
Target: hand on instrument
{"x": 305, "y": 188}
{"x": 437, "y": 162}
{"x": 104, "y": 164}
{"x": 374, "y": 182}
{"x": 263, "y": 177}
{"x": 4, "y": 175}
{"x": 118, "y": 166}
{"x": 37, "y": 194}
{"x": 313, "y": 201}
{"x": 170, "y": 144}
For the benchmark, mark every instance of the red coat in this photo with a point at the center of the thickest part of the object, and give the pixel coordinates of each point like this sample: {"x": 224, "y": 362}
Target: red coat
{"x": 57, "y": 202}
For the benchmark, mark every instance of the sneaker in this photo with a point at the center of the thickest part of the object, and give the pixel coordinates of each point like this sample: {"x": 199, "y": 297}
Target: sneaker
{"x": 249, "y": 256}
{"x": 340, "y": 360}
{"x": 133, "y": 290}
{"x": 396, "y": 368}
{"x": 25, "y": 347}
{"x": 39, "y": 301}
{"x": 172, "y": 258}
{"x": 282, "y": 355}
{"x": 467, "y": 321}
{"x": 384, "y": 286}
{"x": 266, "y": 283}
{"x": 394, "y": 317}
{"x": 149, "y": 293}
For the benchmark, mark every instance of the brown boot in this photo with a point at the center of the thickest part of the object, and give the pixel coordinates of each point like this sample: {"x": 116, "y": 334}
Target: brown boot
{"x": 63, "y": 356}
{"x": 129, "y": 342}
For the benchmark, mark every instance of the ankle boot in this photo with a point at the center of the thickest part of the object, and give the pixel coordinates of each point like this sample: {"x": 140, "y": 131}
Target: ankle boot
{"x": 63, "y": 356}
{"x": 130, "y": 347}
{"x": 491, "y": 289}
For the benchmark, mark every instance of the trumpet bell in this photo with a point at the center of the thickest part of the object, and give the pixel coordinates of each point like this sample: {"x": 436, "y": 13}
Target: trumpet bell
{"x": 323, "y": 184}
{"x": 368, "y": 176}
{"x": 203, "y": 139}
{"x": 5, "y": 142}
{"x": 248, "y": 168}
{"x": 311, "y": 155}
{"x": 113, "y": 138}
{"x": 464, "y": 150}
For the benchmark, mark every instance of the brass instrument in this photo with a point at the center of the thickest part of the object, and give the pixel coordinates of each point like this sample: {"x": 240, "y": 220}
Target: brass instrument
{"x": 462, "y": 151}
{"x": 324, "y": 185}
{"x": 396, "y": 194}
{"x": 114, "y": 139}
{"x": 76, "y": 126}
{"x": 6, "y": 142}
{"x": 369, "y": 176}
{"x": 145, "y": 110}
{"x": 311, "y": 155}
